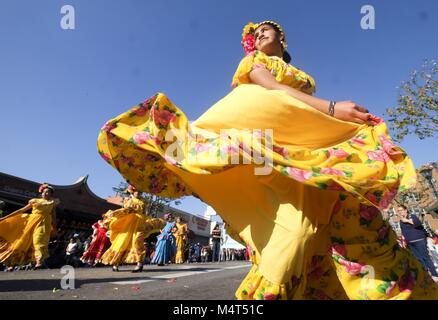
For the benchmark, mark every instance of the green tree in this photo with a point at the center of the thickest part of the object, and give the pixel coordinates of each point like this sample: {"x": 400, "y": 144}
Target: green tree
{"x": 417, "y": 104}
{"x": 155, "y": 204}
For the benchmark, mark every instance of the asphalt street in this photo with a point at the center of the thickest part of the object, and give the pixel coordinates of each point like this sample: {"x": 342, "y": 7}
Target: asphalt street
{"x": 203, "y": 281}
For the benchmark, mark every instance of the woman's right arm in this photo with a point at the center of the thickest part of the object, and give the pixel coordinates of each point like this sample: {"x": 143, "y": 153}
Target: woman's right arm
{"x": 344, "y": 110}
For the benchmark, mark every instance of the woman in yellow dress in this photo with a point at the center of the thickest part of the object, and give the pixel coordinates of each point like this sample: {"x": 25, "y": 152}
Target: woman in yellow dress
{"x": 300, "y": 179}
{"x": 24, "y": 237}
{"x": 128, "y": 228}
{"x": 181, "y": 240}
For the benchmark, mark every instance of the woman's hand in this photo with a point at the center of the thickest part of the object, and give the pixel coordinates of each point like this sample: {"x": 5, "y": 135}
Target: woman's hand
{"x": 407, "y": 220}
{"x": 350, "y": 111}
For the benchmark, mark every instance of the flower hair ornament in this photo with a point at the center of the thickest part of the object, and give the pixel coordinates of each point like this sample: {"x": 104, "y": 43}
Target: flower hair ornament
{"x": 130, "y": 189}
{"x": 45, "y": 186}
{"x": 248, "y": 40}
{"x": 168, "y": 216}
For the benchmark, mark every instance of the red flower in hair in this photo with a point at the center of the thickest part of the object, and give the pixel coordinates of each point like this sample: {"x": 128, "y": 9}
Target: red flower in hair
{"x": 131, "y": 189}
{"x": 248, "y": 43}
{"x": 42, "y": 187}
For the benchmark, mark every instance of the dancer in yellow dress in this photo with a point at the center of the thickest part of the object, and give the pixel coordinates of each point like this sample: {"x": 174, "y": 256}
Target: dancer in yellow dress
{"x": 128, "y": 228}
{"x": 24, "y": 237}
{"x": 181, "y": 239}
{"x": 300, "y": 179}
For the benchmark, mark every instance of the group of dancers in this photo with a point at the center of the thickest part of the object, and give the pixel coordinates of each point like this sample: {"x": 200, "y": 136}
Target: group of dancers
{"x": 118, "y": 238}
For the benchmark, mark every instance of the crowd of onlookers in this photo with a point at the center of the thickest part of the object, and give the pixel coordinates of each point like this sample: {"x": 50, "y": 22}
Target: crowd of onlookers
{"x": 197, "y": 253}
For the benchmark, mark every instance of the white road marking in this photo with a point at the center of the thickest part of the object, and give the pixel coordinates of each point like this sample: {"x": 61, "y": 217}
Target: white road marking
{"x": 178, "y": 275}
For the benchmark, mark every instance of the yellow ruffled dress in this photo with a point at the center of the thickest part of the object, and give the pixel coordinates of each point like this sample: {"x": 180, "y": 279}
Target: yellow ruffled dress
{"x": 128, "y": 228}
{"x": 309, "y": 209}
{"x": 24, "y": 238}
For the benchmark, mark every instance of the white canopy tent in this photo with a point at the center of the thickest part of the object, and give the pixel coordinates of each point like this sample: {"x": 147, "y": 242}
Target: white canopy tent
{"x": 227, "y": 241}
{"x": 230, "y": 243}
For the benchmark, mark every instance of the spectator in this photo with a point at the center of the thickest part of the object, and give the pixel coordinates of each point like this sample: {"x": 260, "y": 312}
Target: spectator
{"x": 71, "y": 253}
{"x": 87, "y": 243}
{"x": 198, "y": 249}
{"x": 191, "y": 254}
{"x": 216, "y": 242}
{"x": 416, "y": 238}
{"x": 80, "y": 246}
{"x": 204, "y": 255}
{"x": 223, "y": 255}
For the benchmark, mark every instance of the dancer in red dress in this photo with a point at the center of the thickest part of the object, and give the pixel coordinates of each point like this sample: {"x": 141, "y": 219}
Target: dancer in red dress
{"x": 98, "y": 246}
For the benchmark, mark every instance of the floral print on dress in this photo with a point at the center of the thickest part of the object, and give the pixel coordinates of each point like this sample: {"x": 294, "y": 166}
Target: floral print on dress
{"x": 284, "y": 73}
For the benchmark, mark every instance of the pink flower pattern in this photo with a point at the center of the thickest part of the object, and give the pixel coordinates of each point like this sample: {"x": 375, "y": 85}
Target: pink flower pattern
{"x": 108, "y": 127}
{"x": 281, "y": 151}
{"x": 407, "y": 281}
{"x": 378, "y": 155}
{"x": 229, "y": 149}
{"x": 383, "y": 233}
{"x": 141, "y": 137}
{"x": 269, "y": 296}
{"x": 368, "y": 212}
{"x": 202, "y": 147}
{"x": 298, "y": 174}
{"x": 389, "y": 147}
{"x": 316, "y": 267}
{"x": 358, "y": 141}
{"x": 388, "y": 197}
{"x": 332, "y": 171}
{"x": 140, "y": 111}
{"x": 339, "y": 153}
{"x": 321, "y": 295}
{"x": 162, "y": 117}
{"x": 352, "y": 268}
{"x": 334, "y": 186}
{"x": 106, "y": 157}
{"x": 390, "y": 289}
{"x": 338, "y": 250}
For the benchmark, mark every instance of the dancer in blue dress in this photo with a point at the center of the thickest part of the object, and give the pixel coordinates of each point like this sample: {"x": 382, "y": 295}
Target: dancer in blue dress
{"x": 165, "y": 249}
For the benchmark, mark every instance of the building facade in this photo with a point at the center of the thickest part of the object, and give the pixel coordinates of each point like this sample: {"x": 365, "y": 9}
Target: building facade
{"x": 78, "y": 202}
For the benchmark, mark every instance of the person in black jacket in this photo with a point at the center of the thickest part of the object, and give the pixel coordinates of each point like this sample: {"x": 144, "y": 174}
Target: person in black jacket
{"x": 416, "y": 238}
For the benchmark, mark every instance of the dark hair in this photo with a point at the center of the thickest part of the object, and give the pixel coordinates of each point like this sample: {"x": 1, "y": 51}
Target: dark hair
{"x": 403, "y": 206}
{"x": 286, "y": 56}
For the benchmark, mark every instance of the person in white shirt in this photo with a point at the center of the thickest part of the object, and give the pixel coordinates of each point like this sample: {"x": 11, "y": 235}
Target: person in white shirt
{"x": 70, "y": 252}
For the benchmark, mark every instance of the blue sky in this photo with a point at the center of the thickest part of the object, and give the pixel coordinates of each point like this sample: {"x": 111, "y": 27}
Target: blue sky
{"x": 58, "y": 87}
